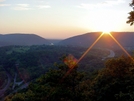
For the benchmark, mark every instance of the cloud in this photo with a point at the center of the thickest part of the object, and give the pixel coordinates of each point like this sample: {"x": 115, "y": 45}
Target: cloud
{"x": 43, "y": 6}
{"x": 2, "y": 0}
{"x": 102, "y": 4}
{"x": 27, "y": 7}
{"x": 113, "y": 2}
{"x": 22, "y": 7}
{"x": 87, "y": 6}
{"x": 2, "y": 5}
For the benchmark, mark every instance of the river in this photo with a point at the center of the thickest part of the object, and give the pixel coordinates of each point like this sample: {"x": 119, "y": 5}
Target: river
{"x": 111, "y": 54}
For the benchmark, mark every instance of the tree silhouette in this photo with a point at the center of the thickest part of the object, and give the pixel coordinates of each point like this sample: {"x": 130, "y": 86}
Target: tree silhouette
{"x": 131, "y": 15}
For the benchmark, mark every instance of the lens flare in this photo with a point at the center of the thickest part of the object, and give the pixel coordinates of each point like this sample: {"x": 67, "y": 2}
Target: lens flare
{"x": 72, "y": 62}
{"x": 68, "y": 72}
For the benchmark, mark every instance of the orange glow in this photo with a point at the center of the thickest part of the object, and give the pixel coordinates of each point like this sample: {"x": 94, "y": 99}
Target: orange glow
{"x": 70, "y": 61}
{"x": 106, "y": 32}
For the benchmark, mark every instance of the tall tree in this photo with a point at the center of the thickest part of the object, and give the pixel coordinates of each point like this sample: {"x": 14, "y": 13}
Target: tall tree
{"x": 131, "y": 14}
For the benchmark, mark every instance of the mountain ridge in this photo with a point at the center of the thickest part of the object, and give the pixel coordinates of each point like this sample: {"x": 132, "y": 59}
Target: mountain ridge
{"x": 84, "y": 40}
{"x": 87, "y": 39}
{"x": 21, "y": 39}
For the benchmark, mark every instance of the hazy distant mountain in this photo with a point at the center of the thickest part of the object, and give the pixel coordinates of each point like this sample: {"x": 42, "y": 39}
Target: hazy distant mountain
{"x": 124, "y": 38}
{"x": 21, "y": 39}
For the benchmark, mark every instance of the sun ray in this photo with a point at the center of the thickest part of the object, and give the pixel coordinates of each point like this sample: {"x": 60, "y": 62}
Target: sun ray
{"x": 68, "y": 72}
{"x": 91, "y": 48}
{"x": 121, "y": 47}
{"x": 72, "y": 67}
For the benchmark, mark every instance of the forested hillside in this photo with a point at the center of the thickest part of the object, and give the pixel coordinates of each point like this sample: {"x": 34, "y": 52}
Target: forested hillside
{"x": 115, "y": 82}
{"x": 20, "y": 65}
{"x": 44, "y": 70}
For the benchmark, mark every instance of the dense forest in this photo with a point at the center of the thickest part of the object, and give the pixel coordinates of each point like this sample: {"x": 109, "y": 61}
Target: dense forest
{"x": 115, "y": 82}
{"x": 67, "y": 73}
{"x": 39, "y": 73}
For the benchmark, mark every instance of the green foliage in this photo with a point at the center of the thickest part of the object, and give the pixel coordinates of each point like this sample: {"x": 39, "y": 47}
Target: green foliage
{"x": 41, "y": 58}
{"x": 53, "y": 87}
{"x": 113, "y": 82}
{"x": 30, "y": 62}
{"x": 85, "y": 83}
{"x": 131, "y": 18}
{"x": 20, "y": 49}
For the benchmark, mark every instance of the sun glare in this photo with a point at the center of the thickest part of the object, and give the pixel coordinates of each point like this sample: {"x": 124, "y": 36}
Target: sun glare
{"x": 104, "y": 27}
{"x": 106, "y": 32}
{"x": 104, "y": 22}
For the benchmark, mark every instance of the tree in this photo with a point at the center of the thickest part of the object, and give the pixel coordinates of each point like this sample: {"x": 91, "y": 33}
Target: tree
{"x": 131, "y": 15}
{"x": 53, "y": 87}
{"x": 115, "y": 82}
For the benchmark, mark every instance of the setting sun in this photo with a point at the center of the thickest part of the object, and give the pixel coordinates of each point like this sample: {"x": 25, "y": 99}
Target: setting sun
{"x": 104, "y": 25}
{"x": 105, "y": 22}
{"x": 62, "y": 19}
{"x": 105, "y": 32}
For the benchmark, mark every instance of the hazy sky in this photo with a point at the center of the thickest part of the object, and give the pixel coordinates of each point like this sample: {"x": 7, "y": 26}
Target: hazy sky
{"x": 63, "y": 18}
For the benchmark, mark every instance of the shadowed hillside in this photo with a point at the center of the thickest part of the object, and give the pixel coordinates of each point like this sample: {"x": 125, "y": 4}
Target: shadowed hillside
{"x": 21, "y": 39}
{"x": 85, "y": 40}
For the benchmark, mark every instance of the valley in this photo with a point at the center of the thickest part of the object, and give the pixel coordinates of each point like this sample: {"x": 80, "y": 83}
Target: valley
{"x": 24, "y": 64}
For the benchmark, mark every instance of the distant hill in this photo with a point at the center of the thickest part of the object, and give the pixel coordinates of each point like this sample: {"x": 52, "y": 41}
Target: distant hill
{"x": 126, "y": 39}
{"x": 22, "y": 39}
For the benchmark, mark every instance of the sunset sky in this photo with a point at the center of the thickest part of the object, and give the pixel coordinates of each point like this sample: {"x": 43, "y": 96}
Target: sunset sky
{"x": 63, "y": 18}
